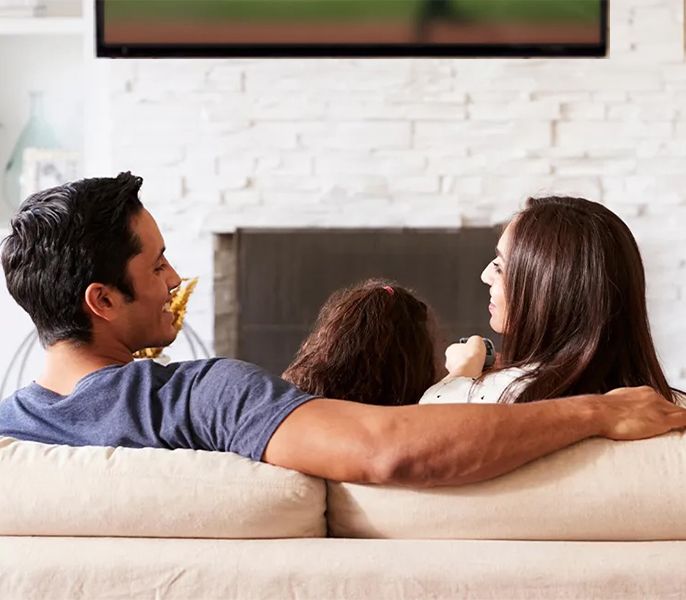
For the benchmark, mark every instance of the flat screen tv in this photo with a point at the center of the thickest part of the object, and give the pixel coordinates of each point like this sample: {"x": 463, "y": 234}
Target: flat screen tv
{"x": 288, "y": 28}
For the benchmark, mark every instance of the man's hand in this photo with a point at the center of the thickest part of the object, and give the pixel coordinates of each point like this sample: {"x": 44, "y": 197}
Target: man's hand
{"x": 466, "y": 360}
{"x": 639, "y": 412}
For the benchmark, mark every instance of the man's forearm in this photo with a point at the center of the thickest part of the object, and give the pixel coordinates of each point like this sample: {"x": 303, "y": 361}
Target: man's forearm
{"x": 445, "y": 446}
{"x": 453, "y": 444}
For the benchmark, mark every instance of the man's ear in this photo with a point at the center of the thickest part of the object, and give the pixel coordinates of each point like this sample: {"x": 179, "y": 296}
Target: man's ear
{"x": 102, "y": 301}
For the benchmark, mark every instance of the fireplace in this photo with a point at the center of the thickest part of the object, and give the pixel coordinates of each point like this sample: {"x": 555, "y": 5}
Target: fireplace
{"x": 270, "y": 283}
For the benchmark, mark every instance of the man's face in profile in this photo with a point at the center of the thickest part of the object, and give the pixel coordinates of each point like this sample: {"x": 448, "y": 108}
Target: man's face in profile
{"x": 147, "y": 321}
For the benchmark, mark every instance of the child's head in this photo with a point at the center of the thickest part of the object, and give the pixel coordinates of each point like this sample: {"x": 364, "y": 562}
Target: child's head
{"x": 373, "y": 343}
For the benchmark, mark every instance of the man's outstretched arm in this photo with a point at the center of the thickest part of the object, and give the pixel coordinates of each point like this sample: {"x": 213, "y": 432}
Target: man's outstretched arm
{"x": 453, "y": 444}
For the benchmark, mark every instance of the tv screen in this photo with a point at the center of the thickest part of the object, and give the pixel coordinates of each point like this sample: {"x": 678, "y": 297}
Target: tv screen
{"x": 224, "y": 28}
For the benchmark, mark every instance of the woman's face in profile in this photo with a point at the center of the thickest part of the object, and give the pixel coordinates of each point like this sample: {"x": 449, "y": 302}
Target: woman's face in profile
{"x": 494, "y": 277}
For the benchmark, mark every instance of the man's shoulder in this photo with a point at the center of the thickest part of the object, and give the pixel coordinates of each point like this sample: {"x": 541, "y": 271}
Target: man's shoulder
{"x": 219, "y": 362}
{"x": 190, "y": 368}
{"x": 25, "y": 392}
{"x": 224, "y": 367}
{"x": 140, "y": 370}
{"x": 214, "y": 404}
{"x": 211, "y": 376}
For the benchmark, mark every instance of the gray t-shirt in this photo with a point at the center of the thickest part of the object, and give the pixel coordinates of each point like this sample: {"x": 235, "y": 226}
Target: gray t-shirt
{"x": 215, "y": 404}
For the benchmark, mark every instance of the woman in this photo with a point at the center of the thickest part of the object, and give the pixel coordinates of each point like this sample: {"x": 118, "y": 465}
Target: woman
{"x": 568, "y": 294}
{"x": 372, "y": 343}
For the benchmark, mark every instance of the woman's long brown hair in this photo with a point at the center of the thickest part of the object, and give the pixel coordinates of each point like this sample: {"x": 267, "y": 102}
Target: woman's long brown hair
{"x": 371, "y": 343}
{"x": 576, "y": 305}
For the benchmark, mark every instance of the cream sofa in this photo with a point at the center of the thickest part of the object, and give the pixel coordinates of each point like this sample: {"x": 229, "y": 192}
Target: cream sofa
{"x": 600, "y": 519}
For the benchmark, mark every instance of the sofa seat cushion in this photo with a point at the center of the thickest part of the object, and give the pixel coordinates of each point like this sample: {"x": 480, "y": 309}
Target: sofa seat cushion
{"x": 68, "y": 568}
{"x": 594, "y": 490}
{"x": 92, "y": 491}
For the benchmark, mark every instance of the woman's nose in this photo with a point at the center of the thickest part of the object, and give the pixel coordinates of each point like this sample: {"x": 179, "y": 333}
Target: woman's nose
{"x": 486, "y": 275}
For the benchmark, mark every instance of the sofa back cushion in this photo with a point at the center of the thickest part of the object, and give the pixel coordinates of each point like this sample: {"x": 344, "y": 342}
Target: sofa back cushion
{"x": 89, "y": 491}
{"x": 594, "y": 490}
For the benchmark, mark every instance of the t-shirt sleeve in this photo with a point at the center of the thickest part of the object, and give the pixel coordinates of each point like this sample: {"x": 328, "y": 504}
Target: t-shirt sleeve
{"x": 237, "y": 406}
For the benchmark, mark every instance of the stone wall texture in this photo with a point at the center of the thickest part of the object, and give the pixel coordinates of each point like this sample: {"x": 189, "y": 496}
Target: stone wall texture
{"x": 417, "y": 142}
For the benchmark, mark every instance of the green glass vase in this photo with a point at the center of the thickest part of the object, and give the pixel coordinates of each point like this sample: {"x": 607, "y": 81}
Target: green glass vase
{"x": 37, "y": 133}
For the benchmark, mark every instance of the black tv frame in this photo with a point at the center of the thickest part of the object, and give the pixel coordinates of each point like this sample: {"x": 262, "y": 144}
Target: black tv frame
{"x": 104, "y": 50}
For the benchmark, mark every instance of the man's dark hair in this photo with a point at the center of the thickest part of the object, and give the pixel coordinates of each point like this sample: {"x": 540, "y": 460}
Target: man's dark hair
{"x": 62, "y": 240}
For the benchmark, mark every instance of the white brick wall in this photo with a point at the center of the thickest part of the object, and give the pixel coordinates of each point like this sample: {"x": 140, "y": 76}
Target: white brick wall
{"x": 419, "y": 143}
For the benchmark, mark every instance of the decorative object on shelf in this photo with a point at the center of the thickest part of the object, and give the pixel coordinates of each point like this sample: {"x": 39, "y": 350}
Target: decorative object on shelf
{"x": 22, "y": 8}
{"x": 37, "y": 134}
{"x": 178, "y": 304}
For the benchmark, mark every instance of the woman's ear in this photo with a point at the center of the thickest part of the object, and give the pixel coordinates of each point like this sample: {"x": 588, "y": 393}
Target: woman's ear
{"x": 101, "y": 301}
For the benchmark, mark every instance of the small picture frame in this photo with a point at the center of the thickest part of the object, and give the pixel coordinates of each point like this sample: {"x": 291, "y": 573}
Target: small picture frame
{"x": 47, "y": 168}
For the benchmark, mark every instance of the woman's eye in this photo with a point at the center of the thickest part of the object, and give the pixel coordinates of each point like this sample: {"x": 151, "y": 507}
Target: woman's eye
{"x": 496, "y": 266}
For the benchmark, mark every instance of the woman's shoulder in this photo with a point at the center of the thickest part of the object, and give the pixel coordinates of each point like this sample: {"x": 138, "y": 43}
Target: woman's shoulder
{"x": 448, "y": 391}
{"x": 467, "y": 390}
{"x": 492, "y": 386}
{"x": 507, "y": 376}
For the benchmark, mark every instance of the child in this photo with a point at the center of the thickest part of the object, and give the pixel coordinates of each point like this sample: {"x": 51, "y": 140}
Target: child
{"x": 373, "y": 343}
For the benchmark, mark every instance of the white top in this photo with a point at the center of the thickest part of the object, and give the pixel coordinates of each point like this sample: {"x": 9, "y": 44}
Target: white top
{"x": 464, "y": 390}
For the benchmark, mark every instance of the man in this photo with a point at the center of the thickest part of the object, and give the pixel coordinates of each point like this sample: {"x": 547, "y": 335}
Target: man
{"x": 87, "y": 262}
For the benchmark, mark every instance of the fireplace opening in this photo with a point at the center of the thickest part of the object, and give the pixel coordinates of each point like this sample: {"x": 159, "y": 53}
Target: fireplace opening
{"x": 270, "y": 283}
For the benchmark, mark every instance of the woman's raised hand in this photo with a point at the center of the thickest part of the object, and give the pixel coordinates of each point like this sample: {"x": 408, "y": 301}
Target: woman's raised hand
{"x": 466, "y": 360}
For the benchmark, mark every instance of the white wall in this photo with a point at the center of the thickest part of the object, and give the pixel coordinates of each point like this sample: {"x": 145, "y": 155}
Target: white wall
{"x": 426, "y": 142}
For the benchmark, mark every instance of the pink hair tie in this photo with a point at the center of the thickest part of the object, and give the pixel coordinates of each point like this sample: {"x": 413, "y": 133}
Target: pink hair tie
{"x": 389, "y": 289}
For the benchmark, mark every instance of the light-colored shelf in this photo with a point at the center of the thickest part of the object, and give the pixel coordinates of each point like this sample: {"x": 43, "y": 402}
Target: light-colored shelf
{"x": 41, "y": 26}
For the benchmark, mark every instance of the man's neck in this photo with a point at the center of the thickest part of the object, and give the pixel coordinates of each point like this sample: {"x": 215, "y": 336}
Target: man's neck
{"x": 66, "y": 364}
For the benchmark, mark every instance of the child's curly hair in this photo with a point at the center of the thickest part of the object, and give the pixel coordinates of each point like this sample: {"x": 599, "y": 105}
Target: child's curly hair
{"x": 372, "y": 343}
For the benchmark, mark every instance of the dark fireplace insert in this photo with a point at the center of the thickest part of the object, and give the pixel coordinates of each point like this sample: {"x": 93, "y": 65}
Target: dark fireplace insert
{"x": 270, "y": 283}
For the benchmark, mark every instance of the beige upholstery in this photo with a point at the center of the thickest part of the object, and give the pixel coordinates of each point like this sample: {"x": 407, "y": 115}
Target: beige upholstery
{"x": 595, "y": 490}
{"x": 70, "y": 568}
{"x": 58, "y": 490}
